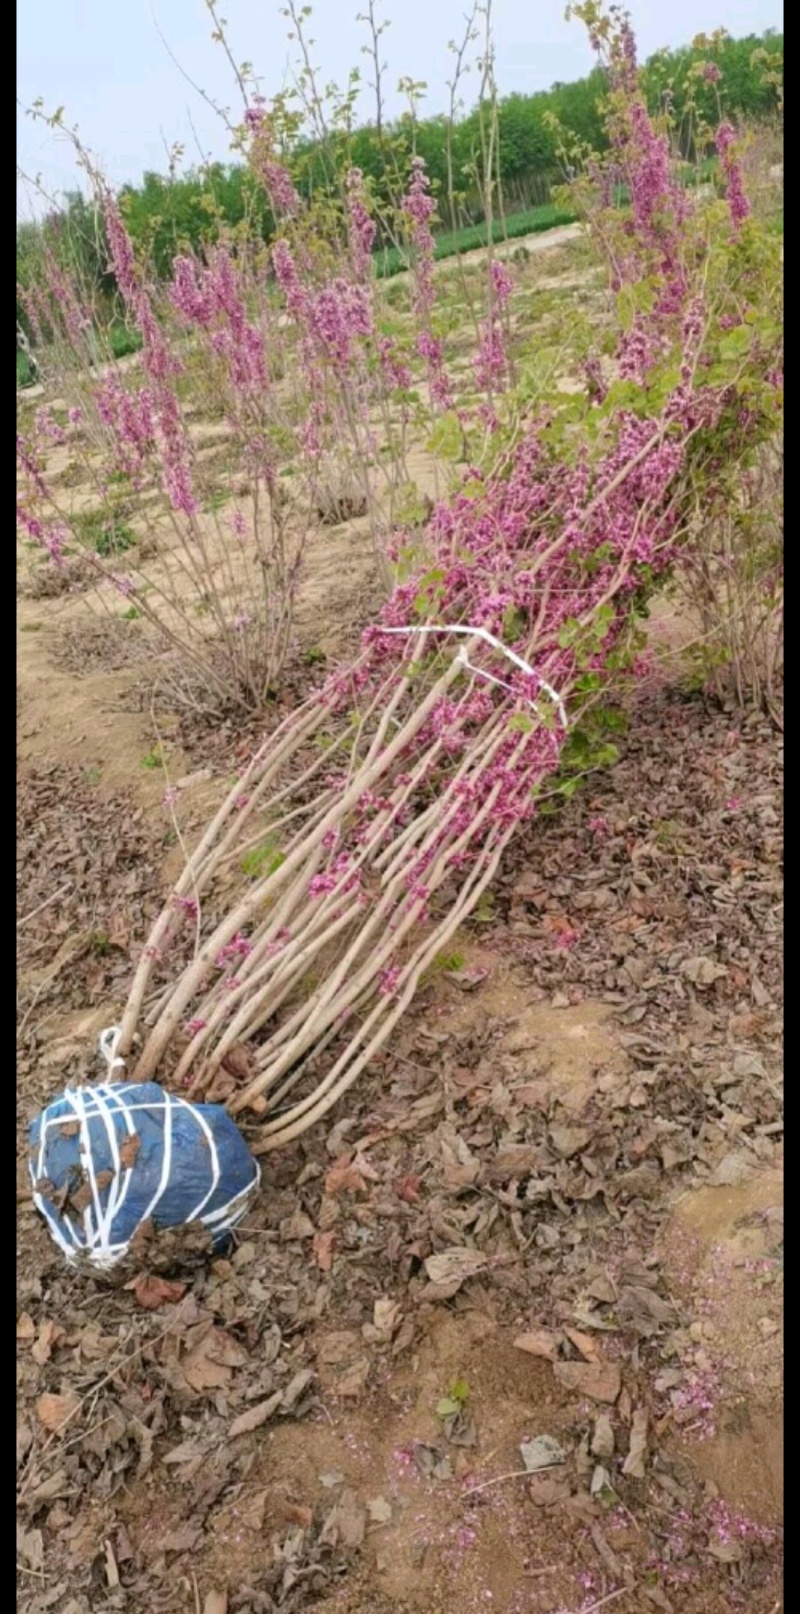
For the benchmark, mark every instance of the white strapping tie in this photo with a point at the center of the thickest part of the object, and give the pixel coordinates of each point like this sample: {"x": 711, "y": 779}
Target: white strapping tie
{"x": 510, "y": 655}
{"x": 108, "y": 1045}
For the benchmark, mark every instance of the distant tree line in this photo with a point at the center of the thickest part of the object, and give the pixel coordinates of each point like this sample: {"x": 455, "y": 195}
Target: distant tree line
{"x": 168, "y": 214}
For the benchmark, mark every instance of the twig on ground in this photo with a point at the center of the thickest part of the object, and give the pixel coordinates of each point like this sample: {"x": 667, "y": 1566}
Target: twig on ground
{"x": 514, "y": 1473}
{"x": 53, "y": 897}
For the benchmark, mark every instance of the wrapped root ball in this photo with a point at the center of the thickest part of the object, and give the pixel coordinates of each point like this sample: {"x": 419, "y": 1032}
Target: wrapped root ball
{"x": 108, "y": 1161}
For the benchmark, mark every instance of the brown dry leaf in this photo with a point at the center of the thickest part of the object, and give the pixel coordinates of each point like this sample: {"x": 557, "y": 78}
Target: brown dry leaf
{"x": 514, "y": 1160}
{"x": 600, "y": 1381}
{"x": 182, "y": 1539}
{"x": 49, "y": 1336}
{"x": 584, "y": 1343}
{"x": 602, "y": 1437}
{"x": 238, "y": 1062}
{"x": 407, "y": 1188}
{"x": 24, "y": 1440}
{"x": 254, "y": 1417}
{"x": 30, "y": 1546}
{"x": 703, "y": 972}
{"x": 569, "y": 1140}
{"x": 386, "y": 1315}
{"x": 344, "y": 1178}
{"x": 152, "y": 1292}
{"x": 129, "y": 1149}
{"x": 216, "y": 1603}
{"x": 455, "y": 1265}
{"x": 546, "y": 1489}
{"x": 538, "y": 1342}
{"x": 727, "y": 1552}
{"x": 81, "y": 1198}
{"x": 322, "y": 1246}
{"x": 252, "y": 1510}
{"x": 344, "y": 1367}
{"x": 467, "y": 979}
{"x": 634, "y": 1463}
{"x": 346, "y": 1524}
{"x": 56, "y": 1410}
{"x": 209, "y": 1364}
{"x": 26, "y": 1327}
{"x": 296, "y": 1388}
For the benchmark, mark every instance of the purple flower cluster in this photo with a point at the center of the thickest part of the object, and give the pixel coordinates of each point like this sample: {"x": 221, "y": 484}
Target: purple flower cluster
{"x": 275, "y": 178}
{"x": 738, "y": 204}
{"x": 419, "y": 208}
{"x": 210, "y": 297}
{"x": 159, "y": 361}
{"x": 361, "y": 227}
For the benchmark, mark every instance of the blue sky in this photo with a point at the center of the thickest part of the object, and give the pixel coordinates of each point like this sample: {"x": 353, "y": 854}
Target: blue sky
{"x": 105, "y": 64}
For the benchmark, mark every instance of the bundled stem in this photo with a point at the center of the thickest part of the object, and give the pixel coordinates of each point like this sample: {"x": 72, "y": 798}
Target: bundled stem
{"x": 369, "y": 825}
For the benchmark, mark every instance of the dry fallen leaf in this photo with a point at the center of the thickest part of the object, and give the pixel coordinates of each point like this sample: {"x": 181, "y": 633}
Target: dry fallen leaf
{"x": 600, "y": 1381}
{"x": 26, "y": 1327}
{"x": 343, "y": 1364}
{"x": 49, "y": 1335}
{"x": 129, "y": 1149}
{"x": 603, "y": 1437}
{"x": 385, "y": 1316}
{"x": 541, "y": 1452}
{"x": 344, "y": 1178}
{"x": 56, "y": 1410}
{"x": 538, "y": 1342}
{"x": 322, "y": 1246}
{"x": 346, "y": 1525}
{"x": 216, "y": 1603}
{"x": 702, "y": 972}
{"x": 209, "y": 1364}
{"x": 254, "y": 1417}
{"x": 455, "y": 1265}
{"x": 30, "y": 1546}
{"x": 379, "y": 1510}
{"x": 584, "y": 1343}
{"x": 546, "y": 1489}
{"x": 252, "y": 1510}
{"x": 407, "y": 1188}
{"x": 634, "y": 1463}
{"x": 152, "y": 1292}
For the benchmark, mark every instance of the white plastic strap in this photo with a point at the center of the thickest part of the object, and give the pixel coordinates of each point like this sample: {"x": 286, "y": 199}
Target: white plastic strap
{"x": 108, "y": 1045}
{"x": 496, "y": 644}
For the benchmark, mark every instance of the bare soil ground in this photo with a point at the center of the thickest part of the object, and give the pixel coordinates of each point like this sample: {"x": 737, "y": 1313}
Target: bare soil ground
{"x": 507, "y": 1333}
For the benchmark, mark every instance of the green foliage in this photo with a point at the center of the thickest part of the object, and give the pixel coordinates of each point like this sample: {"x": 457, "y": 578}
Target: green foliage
{"x": 25, "y": 375}
{"x": 588, "y": 748}
{"x": 188, "y": 212}
{"x": 122, "y": 341}
{"x": 103, "y": 531}
{"x": 530, "y": 222}
{"x": 263, "y": 860}
{"x": 455, "y": 1400}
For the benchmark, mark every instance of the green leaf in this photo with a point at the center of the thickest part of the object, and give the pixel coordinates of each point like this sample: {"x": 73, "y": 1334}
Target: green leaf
{"x": 520, "y": 723}
{"x": 569, "y": 787}
{"x": 447, "y": 1407}
{"x": 445, "y": 439}
{"x": 736, "y": 343}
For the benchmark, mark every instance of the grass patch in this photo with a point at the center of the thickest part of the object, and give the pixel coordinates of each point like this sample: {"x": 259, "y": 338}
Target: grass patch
{"x": 531, "y": 222}
{"x": 25, "y": 375}
{"x": 104, "y": 532}
{"x": 123, "y": 341}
